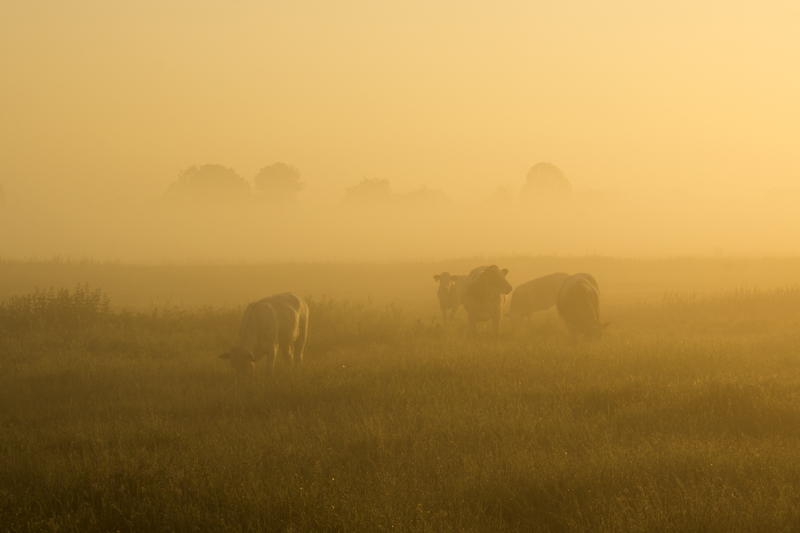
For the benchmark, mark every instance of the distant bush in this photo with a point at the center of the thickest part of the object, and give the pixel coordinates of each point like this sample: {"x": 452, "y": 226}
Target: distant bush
{"x": 209, "y": 184}
{"x": 279, "y": 183}
{"x": 379, "y": 192}
{"x": 545, "y": 180}
{"x": 369, "y": 191}
{"x": 54, "y": 309}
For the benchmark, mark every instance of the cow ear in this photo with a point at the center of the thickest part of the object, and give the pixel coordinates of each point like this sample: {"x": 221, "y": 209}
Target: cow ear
{"x": 436, "y": 277}
{"x": 226, "y": 355}
{"x": 504, "y": 271}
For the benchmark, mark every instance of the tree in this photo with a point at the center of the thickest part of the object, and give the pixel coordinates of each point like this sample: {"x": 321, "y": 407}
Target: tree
{"x": 209, "y": 184}
{"x": 279, "y": 183}
{"x": 546, "y": 180}
{"x": 369, "y": 191}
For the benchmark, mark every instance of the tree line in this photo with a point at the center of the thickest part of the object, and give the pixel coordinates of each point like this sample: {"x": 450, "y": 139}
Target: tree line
{"x": 280, "y": 184}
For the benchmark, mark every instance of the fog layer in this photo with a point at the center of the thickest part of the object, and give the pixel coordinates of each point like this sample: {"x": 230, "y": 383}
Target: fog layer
{"x": 580, "y": 224}
{"x": 672, "y": 123}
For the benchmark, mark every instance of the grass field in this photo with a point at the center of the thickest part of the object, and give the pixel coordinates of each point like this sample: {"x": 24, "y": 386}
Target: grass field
{"x": 118, "y": 416}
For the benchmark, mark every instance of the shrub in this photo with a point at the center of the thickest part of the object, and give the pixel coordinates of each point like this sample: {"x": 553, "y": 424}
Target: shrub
{"x": 60, "y": 310}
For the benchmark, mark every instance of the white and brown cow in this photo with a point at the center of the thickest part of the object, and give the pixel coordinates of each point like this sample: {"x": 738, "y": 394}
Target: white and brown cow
{"x": 278, "y": 323}
{"x": 450, "y": 289}
{"x": 535, "y": 295}
{"x": 485, "y": 293}
{"x": 579, "y": 305}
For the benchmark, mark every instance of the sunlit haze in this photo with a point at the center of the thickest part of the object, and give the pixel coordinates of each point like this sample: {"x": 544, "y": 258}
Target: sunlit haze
{"x": 400, "y": 266}
{"x": 677, "y": 126}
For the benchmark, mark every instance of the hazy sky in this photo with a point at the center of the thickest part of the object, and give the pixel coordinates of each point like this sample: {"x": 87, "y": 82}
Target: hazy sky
{"x": 639, "y": 96}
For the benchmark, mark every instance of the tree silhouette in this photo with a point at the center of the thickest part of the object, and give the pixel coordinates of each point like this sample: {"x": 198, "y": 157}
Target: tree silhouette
{"x": 369, "y": 191}
{"x": 279, "y": 183}
{"x": 209, "y": 184}
{"x": 545, "y": 180}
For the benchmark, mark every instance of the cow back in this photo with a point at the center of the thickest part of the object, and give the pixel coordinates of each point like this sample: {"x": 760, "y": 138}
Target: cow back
{"x": 579, "y": 300}
{"x": 274, "y": 320}
{"x": 537, "y": 294}
{"x": 288, "y": 309}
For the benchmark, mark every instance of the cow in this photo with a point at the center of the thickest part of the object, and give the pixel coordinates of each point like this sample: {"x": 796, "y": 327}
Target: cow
{"x": 450, "y": 289}
{"x": 579, "y": 305}
{"x": 276, "y": 323}
{"x": 537, "y": 294}
{"x": 484, "y": 295}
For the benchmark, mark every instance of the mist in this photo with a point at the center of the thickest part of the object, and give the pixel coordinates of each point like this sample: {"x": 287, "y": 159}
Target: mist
{"x": 675, "y": 125}
{"x": 407, "y": 266}
{"x": 422, "y": 224}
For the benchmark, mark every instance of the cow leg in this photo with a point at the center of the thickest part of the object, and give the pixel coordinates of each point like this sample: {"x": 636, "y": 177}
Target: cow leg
{"x": 453, "y": 313}
{"x": 274, "y": 357}
{"x": 288, "y": 354}
{"x": 300, "y": 342}
{"x": 496, "y": 317}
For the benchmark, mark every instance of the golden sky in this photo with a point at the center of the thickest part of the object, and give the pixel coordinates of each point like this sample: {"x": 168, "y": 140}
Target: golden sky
{"x": 637, "y": 96}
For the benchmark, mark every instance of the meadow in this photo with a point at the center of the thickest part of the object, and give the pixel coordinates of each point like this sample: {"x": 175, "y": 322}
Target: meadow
{"x": 117, "y": 414}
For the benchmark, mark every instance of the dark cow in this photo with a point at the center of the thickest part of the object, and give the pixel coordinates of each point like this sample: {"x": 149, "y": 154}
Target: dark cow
{"x": 485, "y": 293}
{"x": 579, "y": 305}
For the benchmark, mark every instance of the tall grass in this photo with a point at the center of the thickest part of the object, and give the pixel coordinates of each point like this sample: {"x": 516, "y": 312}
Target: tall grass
{"x": 396, "y": 424}
{"x": 737, "y": 312}
{"x": 344, "y": 324}
{"x": 60, "y": 310}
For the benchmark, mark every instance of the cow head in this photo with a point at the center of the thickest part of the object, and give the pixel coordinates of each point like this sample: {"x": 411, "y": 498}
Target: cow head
{"x": 492, "y": 281}
{"x": 241, "y": 360}
{"x": 446, "y": 281}
{"x": 496, "y": 280}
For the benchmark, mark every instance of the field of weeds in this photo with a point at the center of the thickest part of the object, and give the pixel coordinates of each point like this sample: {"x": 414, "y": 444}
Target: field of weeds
{"x": 684, "y": 417}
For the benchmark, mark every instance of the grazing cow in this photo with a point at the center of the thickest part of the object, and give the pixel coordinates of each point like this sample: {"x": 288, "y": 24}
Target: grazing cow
{"x": 449, "y": 293}
{"x": 535, "y": 295}
{"x": 484, "y": 295}
{"x": 278, "y": 322}
{"x": 579, "y": 306}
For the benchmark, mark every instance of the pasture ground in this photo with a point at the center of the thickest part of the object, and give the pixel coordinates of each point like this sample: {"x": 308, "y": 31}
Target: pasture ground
{"x": 684, "y": 417}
